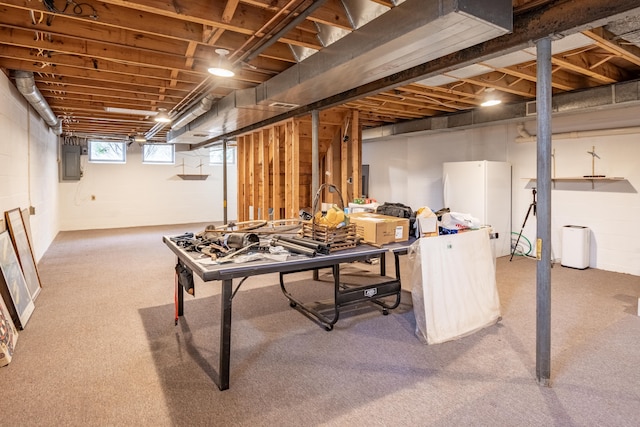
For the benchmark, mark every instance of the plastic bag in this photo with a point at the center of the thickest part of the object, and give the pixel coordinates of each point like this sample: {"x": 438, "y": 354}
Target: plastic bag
{"x": 459, "y": 221}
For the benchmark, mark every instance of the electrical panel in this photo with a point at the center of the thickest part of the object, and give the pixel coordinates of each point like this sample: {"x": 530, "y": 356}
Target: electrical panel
{"x": 70, "y": 163}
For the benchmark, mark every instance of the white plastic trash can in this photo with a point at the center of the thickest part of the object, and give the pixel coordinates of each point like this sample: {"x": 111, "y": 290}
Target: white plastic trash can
{"x": 575, "y": 246}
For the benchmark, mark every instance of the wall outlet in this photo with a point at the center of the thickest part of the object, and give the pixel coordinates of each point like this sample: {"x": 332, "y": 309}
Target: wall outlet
{"x": 32, "y": 210}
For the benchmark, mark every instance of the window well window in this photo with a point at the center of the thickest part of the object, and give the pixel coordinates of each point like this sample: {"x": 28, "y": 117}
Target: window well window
{"x": 159, "y": 154}
{"x": 107, "y": 152}
{"x": 215, "y": 155}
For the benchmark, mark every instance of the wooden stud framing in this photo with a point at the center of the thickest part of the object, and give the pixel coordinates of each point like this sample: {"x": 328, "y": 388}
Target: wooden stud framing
{"x": 356, "y": 157}
{"x": 274, "y": 165}
{"x": 263, "y": 181}
{"x": 277, "y": 195}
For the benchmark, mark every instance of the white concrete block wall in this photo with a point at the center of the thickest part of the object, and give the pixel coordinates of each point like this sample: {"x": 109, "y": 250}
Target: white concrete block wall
{"x": 611, "y": 211}
{"x": 28, "y": 165}
{"x": 137, "y": 194}
{"x": 125, "y": 195}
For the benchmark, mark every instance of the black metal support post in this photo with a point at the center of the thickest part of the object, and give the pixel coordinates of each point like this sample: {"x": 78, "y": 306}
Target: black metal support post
{"x": 543, "y": 241}
{"x": 224, "y": 182}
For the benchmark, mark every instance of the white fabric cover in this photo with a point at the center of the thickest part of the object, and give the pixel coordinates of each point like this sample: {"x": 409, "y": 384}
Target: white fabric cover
{"x": 454, "y": 285}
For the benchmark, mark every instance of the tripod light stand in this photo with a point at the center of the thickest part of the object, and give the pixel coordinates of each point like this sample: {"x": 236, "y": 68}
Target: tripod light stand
{"x": 532, "y": 208}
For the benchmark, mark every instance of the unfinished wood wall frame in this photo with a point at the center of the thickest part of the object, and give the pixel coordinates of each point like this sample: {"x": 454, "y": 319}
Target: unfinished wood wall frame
{"x": 275, "y": 164}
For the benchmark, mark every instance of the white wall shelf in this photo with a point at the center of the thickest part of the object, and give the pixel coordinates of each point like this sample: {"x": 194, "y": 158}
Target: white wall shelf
{"x": 592, "y": 179}
{"x": 191, "y": 177}
{"x": 585, "y": 178}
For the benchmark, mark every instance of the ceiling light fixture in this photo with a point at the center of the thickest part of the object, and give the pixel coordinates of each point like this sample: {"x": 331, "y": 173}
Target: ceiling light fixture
{"x": 221, "y": 66}
{"x": 162, "y": 116}
{"x": 490, "y": 98}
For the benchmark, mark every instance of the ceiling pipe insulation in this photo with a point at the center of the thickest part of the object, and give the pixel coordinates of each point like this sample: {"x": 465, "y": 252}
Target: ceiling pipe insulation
{"x": 26, "y": 85}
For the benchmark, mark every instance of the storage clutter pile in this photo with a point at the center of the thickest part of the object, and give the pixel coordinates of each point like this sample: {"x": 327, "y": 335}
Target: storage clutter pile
{"x": 327, "y": 228}
{"x": 424, "y": 222}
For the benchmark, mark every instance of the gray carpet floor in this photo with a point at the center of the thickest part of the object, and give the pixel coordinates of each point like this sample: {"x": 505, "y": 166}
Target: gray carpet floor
{"x": 101, "y": 349}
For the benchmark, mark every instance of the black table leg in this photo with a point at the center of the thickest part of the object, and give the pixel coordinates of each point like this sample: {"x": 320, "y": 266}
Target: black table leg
{"x": 225, "y": 334}
{"x": 180, "y": 296}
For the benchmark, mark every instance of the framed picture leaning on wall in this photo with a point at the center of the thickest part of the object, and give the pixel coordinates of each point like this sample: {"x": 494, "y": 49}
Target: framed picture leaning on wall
{"x": 18, "y": 231}
{"x": 8, "y": 335}
{"x": 13, "y": 287}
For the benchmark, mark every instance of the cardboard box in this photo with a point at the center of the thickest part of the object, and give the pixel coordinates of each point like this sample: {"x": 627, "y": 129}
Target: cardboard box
{"x": 376, "y": 229}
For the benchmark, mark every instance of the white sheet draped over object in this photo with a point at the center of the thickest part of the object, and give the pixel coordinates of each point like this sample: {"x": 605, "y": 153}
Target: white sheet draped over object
{"x": 454, "y": 285}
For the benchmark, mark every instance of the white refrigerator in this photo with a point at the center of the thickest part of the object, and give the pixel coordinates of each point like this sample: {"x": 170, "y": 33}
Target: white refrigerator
{"x": 481, "y": 189}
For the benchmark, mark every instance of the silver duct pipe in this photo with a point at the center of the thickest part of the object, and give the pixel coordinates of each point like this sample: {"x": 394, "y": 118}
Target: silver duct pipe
{"x": 202, "y": 107}
{"x": 26, "y": 85}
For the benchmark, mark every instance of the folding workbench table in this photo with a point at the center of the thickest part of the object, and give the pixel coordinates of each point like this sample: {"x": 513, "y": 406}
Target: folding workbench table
{"x": 225, "y": 273}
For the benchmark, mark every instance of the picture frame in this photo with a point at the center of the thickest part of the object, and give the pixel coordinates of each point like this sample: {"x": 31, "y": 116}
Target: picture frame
{"x": 13, "y": 287}
{"x": 8, "y": 335}
{"x": 22, "y": 246}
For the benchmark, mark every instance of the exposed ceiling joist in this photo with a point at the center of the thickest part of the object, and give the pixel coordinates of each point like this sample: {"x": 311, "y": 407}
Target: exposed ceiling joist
{"x": 145, "y": 55}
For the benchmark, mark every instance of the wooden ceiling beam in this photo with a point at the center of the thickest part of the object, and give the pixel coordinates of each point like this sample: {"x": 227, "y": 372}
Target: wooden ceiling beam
{"x": 102, "y": 78}
{"x": 443, "y": 93}
{"x": 505, "y": 83}
{"x": 100, "y": 56}
{"x": 561, "y": 79}
{"x": 61, "y": 45}
{"x": 121, "y": 22}
{"x": 116, "y": 88}
{"x": 607, "y": 40}
{"x": 246, "y": 19}
{"x": 115, "y": 18}
{"x": 136, "y": 97}
{"x": 90, "y": 30}
{"x": 108, "y": 101}
{"x": 112, "y": 71}
{"x": 582, "y": 63}
{"x": 404, "y": 113}
{"x": 418, "y": 102}
{"x": 331, "y": 13}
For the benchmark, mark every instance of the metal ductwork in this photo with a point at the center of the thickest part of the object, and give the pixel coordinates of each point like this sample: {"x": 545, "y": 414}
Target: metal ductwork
{"x": 413, "y": 33}
{"x": 602, "y": 97}
{"x": 202, "y": 107}
{"x": 26, "y": 85}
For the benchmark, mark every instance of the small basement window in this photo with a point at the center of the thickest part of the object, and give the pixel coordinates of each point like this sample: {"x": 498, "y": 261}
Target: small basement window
{"x": 215, "y": 155}
{"x": 107, "y": 152}
{"x": 159, "y": 154}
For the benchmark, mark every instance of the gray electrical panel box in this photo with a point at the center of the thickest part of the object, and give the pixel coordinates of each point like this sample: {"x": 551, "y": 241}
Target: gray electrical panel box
{"x": 70, "y": 163}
